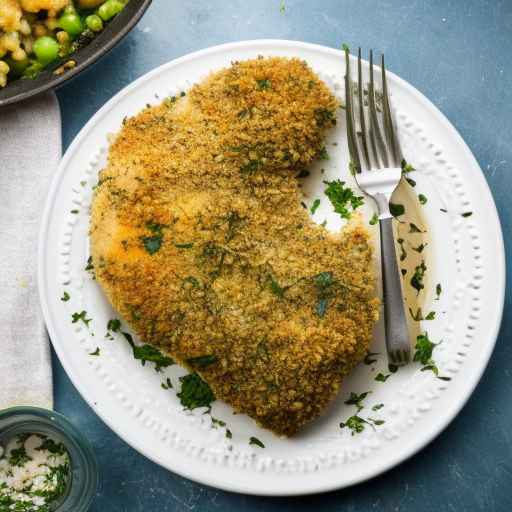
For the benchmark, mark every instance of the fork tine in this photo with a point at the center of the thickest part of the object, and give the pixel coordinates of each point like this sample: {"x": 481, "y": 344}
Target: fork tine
{"x": 374, "y": 122}
{"x": 389, "y": 130}
{"x": 349, "y": 110}
{"x": 362, "y": 121}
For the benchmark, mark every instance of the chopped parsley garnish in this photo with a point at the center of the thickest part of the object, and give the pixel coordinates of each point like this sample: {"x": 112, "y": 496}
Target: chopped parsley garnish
{"x": 376, "y": 407}
{"x": 396, "y": 209}
{"x": 431, "y": 316}
{"x": 356, "y": 400}
{"x": 314, "y": 207}
{"x": 167, "y": 384}
{"x": 229, "y": 435}
{"x": 403, "y": 253}
{"x": 342, "y": 198}
{"x": 18, "y": 457}
{"x": 96, "y": 352}
{"x": 323, "y": 155}
{"x": 414, "y": 229}
{"x": 424, "y": 349}
{"x": 355, "y": 423}
{"x": 444, "y": 210}
{"x": 114, "y": 324}
{"x": 256, "y": 441}
{"x": 148, "y": 353}
{"x": 65, "y": 297}
{"x": 195, "y": 392}
{"x": 202, "y": 361}
{"x": 323, "y": 282}
{"x": 439, "y": 290}
{"x": 417, "y": 278}
{"x": 420, "y": 248}
{"x": 52, "y": 446}
{"x": 74, "y": 212}
{"x": 82, "y": 316}
{"x": 406, "y": 168}
{"x": 153, "y": 243}
{"x": 264, "y": 84}
{"x": 410, "y": 181}
{"x": 216, "y": 422}
{"x": 369, "y": 358}
{"x": 282, "y": 7}
{"x": 380, "y": 377}
{"x": 324, "y": 116}
{"x": 376, "y": 422}
{"x": 188, "y": 245}
{"x": 89, "y": 266}
{"x": 467, "y": 214}
{"x": 276, "y": 288}
{"x": 374, "y": 219}
{"x": 422, "y": 199}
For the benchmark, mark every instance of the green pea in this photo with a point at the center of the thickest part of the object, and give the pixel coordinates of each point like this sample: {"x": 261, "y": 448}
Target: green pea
{"x": 94, "y": 23}
{"x": 71, "y": 23}
{"x": 46, "y": 49}
{"x": 109, "y": 9}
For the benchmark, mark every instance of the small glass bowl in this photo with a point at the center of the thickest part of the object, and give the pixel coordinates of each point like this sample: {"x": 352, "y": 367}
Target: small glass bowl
{"x": 83, "y": 480}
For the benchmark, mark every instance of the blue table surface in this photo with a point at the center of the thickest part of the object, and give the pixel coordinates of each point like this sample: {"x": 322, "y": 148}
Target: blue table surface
{"x": 458, "y": 53}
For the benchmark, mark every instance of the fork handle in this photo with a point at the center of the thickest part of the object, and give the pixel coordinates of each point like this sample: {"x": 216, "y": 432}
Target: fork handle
{"x": 397, "y": 334}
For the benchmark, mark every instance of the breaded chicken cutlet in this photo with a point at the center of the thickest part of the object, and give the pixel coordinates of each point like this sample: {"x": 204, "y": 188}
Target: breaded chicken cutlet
{"x": 200, "y": 241}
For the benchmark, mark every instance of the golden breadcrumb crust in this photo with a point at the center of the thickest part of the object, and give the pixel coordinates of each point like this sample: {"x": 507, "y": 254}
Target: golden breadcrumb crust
{"x": 200, "y": 241}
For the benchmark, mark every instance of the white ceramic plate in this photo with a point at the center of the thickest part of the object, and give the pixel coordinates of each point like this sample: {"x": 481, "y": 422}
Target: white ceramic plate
{"x": 465, "y": 255}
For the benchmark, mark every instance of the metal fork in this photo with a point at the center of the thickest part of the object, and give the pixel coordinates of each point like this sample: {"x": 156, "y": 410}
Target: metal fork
{"x": 376, "y": 157}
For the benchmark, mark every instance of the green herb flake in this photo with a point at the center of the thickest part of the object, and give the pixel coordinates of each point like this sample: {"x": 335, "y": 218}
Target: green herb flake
{"x": 18, "y": 457}
{"x": 467, "y": 214}
{"x": 202, "y": 361}
{"x": 414, "y": 229}
{"x": 423, "y": 349}
{"x": 396, "y": 209}
{"x": 374, "y": 219}
{"x": 152, "y": 244}
{"x": 74, "y": 212}
{"x": 264, "y": 84}
{"x": 96, "y": 352}
{"x": 406, "y": 168}
{"x": 195, "y": 392}
{"x": 444, "y": 210}
{"x": 380, "y": 377}
{"x": 376, "y": 422}
{"x": 369, "y": 358}
{"x": 431, "y": 316}
{"x": 149, "y": 353}
{"x": 82, "y": 316}
{"x": 410, "y": 181}
{"x": 89, "y": 266}
{"x": 65, "y": 297}
{"x": 323, "y": 155}
{"x": 114, "y": 324}
{"x": 418, "y": 276}
{"x": 218, "y": 423}
{"x": 342, "y": 198}
{"x": 51, "y": 446}
{"x": 355, "y": 423}
{"x": 403, "y": 252}
{"x": 282, "y": 7}
{"x": 167, "y": 384}
{"x": 422, "y": 199}
{"x": 419, "y": 248}
{"x": 416, "y": 316}
{"x": 255, "y": 441}
{"x": 377, "y": 407}
{"x": 276, "y": 288}
{"x": 229, "y": 435}
{"x": 314, "y": 207}
{"x": 439, "y": 290}
{"x": 357, "y": 400}
{"x": 188, "y": 245}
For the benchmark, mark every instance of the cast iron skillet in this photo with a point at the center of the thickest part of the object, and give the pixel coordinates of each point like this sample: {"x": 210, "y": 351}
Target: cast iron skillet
{"x": 116, "y": 29}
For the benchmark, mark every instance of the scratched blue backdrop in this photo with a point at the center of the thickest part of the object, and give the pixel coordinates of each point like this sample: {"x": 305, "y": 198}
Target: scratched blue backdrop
{"x": 458, "y": 53}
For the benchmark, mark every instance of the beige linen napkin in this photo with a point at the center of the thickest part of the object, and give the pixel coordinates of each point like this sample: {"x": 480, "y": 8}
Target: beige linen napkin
{"x": 30, "y": 149}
